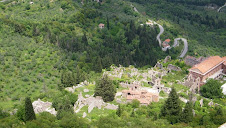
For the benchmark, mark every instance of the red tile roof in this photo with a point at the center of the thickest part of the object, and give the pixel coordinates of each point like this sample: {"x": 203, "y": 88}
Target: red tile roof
{"x": 167, "y": 40}
{"x": 207, "y": 64}
{"x": 101, "y": 25}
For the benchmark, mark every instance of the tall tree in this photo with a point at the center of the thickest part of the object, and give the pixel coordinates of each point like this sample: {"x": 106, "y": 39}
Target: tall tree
{"x": 105, "y": 89}
{"x": 79, "y": 75}
{"x": 119, "y": 111}
{"x": 187, "y": 115}
{"x": 108, "y": 24}
{"x": 29, "y": 111}
{"x": 84, "y": 39}
{"x": 172, "y": 108}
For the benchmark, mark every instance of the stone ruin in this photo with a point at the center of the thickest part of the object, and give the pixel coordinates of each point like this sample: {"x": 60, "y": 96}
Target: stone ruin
{"x": 201, "y": 102}
{"x": 116, "y": 72}
{"x": 192, "y": 83}
{"x": 143, "y": 95}
{"x": 158, "y": 65}
{"x": 168, "y": 58}
{"x": 41, "y": 106}
{"x": 191, "y": 61}
{"x": 173, "y": 67}
{"x": 92, "y": 102}
{"x": 130, "y": 85}
{"x": 85, "y": 83}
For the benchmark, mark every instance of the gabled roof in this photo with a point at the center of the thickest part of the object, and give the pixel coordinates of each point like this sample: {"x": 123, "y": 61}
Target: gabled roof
{"x": 167, "y": 40}
{"x": 207, "y": 64}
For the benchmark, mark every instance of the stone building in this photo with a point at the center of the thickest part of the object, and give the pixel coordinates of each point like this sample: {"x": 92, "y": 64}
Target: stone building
{"x": 159, "y": 65}
{"x": 167, "y": 59}
{"x": 143, "y": 96}
{"x": 101, "y": 26}
{"x": 173, "y": 67}
{"x": 212, "y": 67}
{"x": 193, "y": 83}
{"x": 191, "y": 61}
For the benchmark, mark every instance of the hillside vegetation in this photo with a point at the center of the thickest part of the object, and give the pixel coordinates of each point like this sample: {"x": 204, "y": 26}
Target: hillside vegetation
{"x": 48, "y": 45}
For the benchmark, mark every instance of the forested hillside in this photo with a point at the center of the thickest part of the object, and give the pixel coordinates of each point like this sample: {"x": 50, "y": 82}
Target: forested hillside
{"x": 40, "y": 41}
{"x": 204, "y": 27}
{"x": 49, "y": 45}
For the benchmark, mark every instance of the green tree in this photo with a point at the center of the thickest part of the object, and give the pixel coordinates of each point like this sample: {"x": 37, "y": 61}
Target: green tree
{"x": 108, "y": 24}
{"x": 172, "y": 108}
{"x": 212, "y": 89}
{"x": 135, "y": 103}
{"x": 219, "y": 117}
{"x": 187, "y": 115}
{"x": 133, "y": 113}
{"x": 29, "y": 111}
{"x": 105, "y": 89}
{"x": 119, "y": 111}
{"x": 79, "y": 75}
{"x": 67, "y": 79}
{"x": 20, "y": 114}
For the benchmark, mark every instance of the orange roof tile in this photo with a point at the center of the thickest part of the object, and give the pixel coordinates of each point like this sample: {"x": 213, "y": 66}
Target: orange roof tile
{"x": 207, "y": 64}
{"x": 167, "y": 40}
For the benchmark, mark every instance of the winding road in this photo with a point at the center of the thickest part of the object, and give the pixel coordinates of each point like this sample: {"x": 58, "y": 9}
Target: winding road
{"x": 221, "y": 7}
{"x": 176, "y": 43}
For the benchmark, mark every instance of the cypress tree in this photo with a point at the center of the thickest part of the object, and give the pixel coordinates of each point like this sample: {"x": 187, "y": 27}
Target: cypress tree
{"x": 79, "y": 75}
{"x": 133, "y": 113}
{"x": 84, "y": 39}
{"x": 119, "y": 111}
{"x": 187, "y": 115}
{"x": 171, "y": 109}
{"x": 108, "y": 24}
{"x": 29, "y": 111}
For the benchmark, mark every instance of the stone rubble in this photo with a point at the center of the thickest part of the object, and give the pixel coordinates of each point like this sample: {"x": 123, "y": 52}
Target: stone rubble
{"x": 84, "y": 115}
{"x": 85, "y": 83}
{"x": 92, "y": 102}
{"x": 41, "y": 106}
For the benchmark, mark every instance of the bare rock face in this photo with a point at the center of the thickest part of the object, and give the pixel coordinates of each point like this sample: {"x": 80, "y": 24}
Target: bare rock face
{"x": 92, "y": 102}
{"x": 41, "y": 106}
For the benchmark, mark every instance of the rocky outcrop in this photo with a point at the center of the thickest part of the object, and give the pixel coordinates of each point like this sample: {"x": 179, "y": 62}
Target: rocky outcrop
{"x": 41, "y": 106}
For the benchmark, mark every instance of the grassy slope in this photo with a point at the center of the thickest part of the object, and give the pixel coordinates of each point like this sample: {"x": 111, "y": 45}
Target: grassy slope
{"x": 27, "y": 68}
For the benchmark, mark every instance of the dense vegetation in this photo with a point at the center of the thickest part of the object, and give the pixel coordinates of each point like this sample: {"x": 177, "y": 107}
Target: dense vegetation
{"x": 105, "y": 88}
{"x": 49, "y": 45}
{"x": 212, "y": 89}
{"x": 204, "y": 28}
